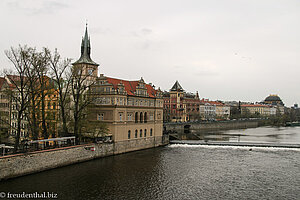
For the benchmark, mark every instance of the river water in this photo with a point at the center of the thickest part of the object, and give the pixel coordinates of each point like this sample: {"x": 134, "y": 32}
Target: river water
{"x": 174, "y": 172}
{"x": 289, "y": 135}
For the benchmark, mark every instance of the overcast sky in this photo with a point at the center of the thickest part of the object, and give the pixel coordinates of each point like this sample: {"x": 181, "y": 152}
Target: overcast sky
{"x": 225, "y": 49}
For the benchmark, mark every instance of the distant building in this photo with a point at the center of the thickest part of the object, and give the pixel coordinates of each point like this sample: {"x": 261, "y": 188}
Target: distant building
{"x": 274, "y": 100}
{"x": 9, "y": 107}
{"x": 181, "y": 106}
{"x": 10, "y": 87}
{"x": 207, "y": 110}
{"x": 222, "y": 110}
{"x": 256, "y": 109}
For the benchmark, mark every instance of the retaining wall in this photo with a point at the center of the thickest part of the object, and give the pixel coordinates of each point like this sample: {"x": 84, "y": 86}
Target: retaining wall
{"x": 22, "y": 164}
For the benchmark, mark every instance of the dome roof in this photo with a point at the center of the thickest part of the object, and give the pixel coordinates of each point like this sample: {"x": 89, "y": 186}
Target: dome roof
{"x": 273, "y": 98}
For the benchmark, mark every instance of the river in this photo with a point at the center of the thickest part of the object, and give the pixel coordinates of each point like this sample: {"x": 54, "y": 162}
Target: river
{"x": 289, "y": 135}
{"x": 175, "y": 172}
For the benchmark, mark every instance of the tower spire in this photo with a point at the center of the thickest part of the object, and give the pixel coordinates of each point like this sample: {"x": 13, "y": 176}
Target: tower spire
{"x": 85, "y": 57}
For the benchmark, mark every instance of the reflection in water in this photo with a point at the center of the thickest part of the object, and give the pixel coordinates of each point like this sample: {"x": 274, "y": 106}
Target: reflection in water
{"x": 174, "y": 172}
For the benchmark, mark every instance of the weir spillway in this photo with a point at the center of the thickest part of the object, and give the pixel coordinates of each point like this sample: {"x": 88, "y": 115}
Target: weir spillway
{"x": 245, "y": 144}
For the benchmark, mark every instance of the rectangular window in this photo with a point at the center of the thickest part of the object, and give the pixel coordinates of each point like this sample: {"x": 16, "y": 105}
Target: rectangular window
{"x": 100, "y": 117}
{"x": 129, "y": 117}
{"x": 121, "y": 116}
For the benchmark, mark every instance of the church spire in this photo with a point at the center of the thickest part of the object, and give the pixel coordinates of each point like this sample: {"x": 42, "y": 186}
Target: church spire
{"x": 85, "y": 57}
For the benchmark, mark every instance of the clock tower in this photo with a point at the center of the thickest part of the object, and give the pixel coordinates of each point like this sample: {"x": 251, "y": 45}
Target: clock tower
{"x": 85, "y": 64}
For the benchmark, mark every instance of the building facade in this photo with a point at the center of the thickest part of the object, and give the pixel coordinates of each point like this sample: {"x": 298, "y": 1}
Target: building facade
{"x": 5, "y": 106}
{"x": 275, "y": 101}
{"x": 180, "y": 106}
{"x": 130, "y": 109}
{"x": 257, "y": 109}
{"x": 207, "y": 110}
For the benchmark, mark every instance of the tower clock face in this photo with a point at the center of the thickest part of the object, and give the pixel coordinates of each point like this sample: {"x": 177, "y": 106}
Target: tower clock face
{"x": 90, "y": 71}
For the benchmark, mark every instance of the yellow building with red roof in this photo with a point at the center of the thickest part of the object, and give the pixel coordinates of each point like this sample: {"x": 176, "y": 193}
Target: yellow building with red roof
{"x": 132, "y": 110}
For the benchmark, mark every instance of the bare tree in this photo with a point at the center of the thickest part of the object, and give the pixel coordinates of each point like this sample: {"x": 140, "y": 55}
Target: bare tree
{"x": 34, "y": 91}
{"x": 21, "y": 60}
{"x": 80, "y": 89}
{"x": 41, "y": 62}
{"x": 61, "y": 75}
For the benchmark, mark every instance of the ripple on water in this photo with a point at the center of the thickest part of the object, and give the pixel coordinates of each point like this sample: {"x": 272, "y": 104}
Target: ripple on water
{"x": 177, "y": 171}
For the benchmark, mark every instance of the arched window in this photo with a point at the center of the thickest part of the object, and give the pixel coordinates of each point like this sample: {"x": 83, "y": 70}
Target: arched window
{"x": 129, "y": 134}
{"x": 136, "y": 118}
{"x": 141, "y": 133}
{"x": 151, "y": 132}
{"x": 141, "y": 117}
{"x": 145, "y": 133}
{"x": 145, "y": 117}
{"x": 135, "y": 135}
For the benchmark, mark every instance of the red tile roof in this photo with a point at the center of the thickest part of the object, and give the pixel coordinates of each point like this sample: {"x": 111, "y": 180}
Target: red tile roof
{"x": 217, "y": 103}
{"x": 130, "y": 86}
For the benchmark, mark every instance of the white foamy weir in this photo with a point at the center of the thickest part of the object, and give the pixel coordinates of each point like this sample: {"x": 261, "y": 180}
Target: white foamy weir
{"x": 232, "y": 147}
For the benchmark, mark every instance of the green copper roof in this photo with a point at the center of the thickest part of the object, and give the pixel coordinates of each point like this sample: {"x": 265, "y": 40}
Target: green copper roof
{"x": 85, "y": 57}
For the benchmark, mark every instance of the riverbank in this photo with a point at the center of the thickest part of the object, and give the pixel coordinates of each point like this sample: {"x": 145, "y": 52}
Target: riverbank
{"x": 209, "y": 126}
{"x": 28, "y": 163}
{"x": 183, "y": 131}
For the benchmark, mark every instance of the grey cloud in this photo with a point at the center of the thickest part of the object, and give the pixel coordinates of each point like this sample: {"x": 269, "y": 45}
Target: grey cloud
{"x": 99, "y": 30}
{"x": 195, "y": 71}
{"x": 34, "y": 7}
{"x": 142, "y": 32}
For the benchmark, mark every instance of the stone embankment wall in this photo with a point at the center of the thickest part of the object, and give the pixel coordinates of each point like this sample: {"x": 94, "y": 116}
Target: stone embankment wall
{"x": 22, "y": 164}
{"x": 208, "y": 126}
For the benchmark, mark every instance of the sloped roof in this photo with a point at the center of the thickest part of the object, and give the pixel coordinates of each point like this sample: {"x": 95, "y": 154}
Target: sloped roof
{"x": 177, "y": 87}
{"x": 130, "y": 86}
{"x": 217, "y": 103}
